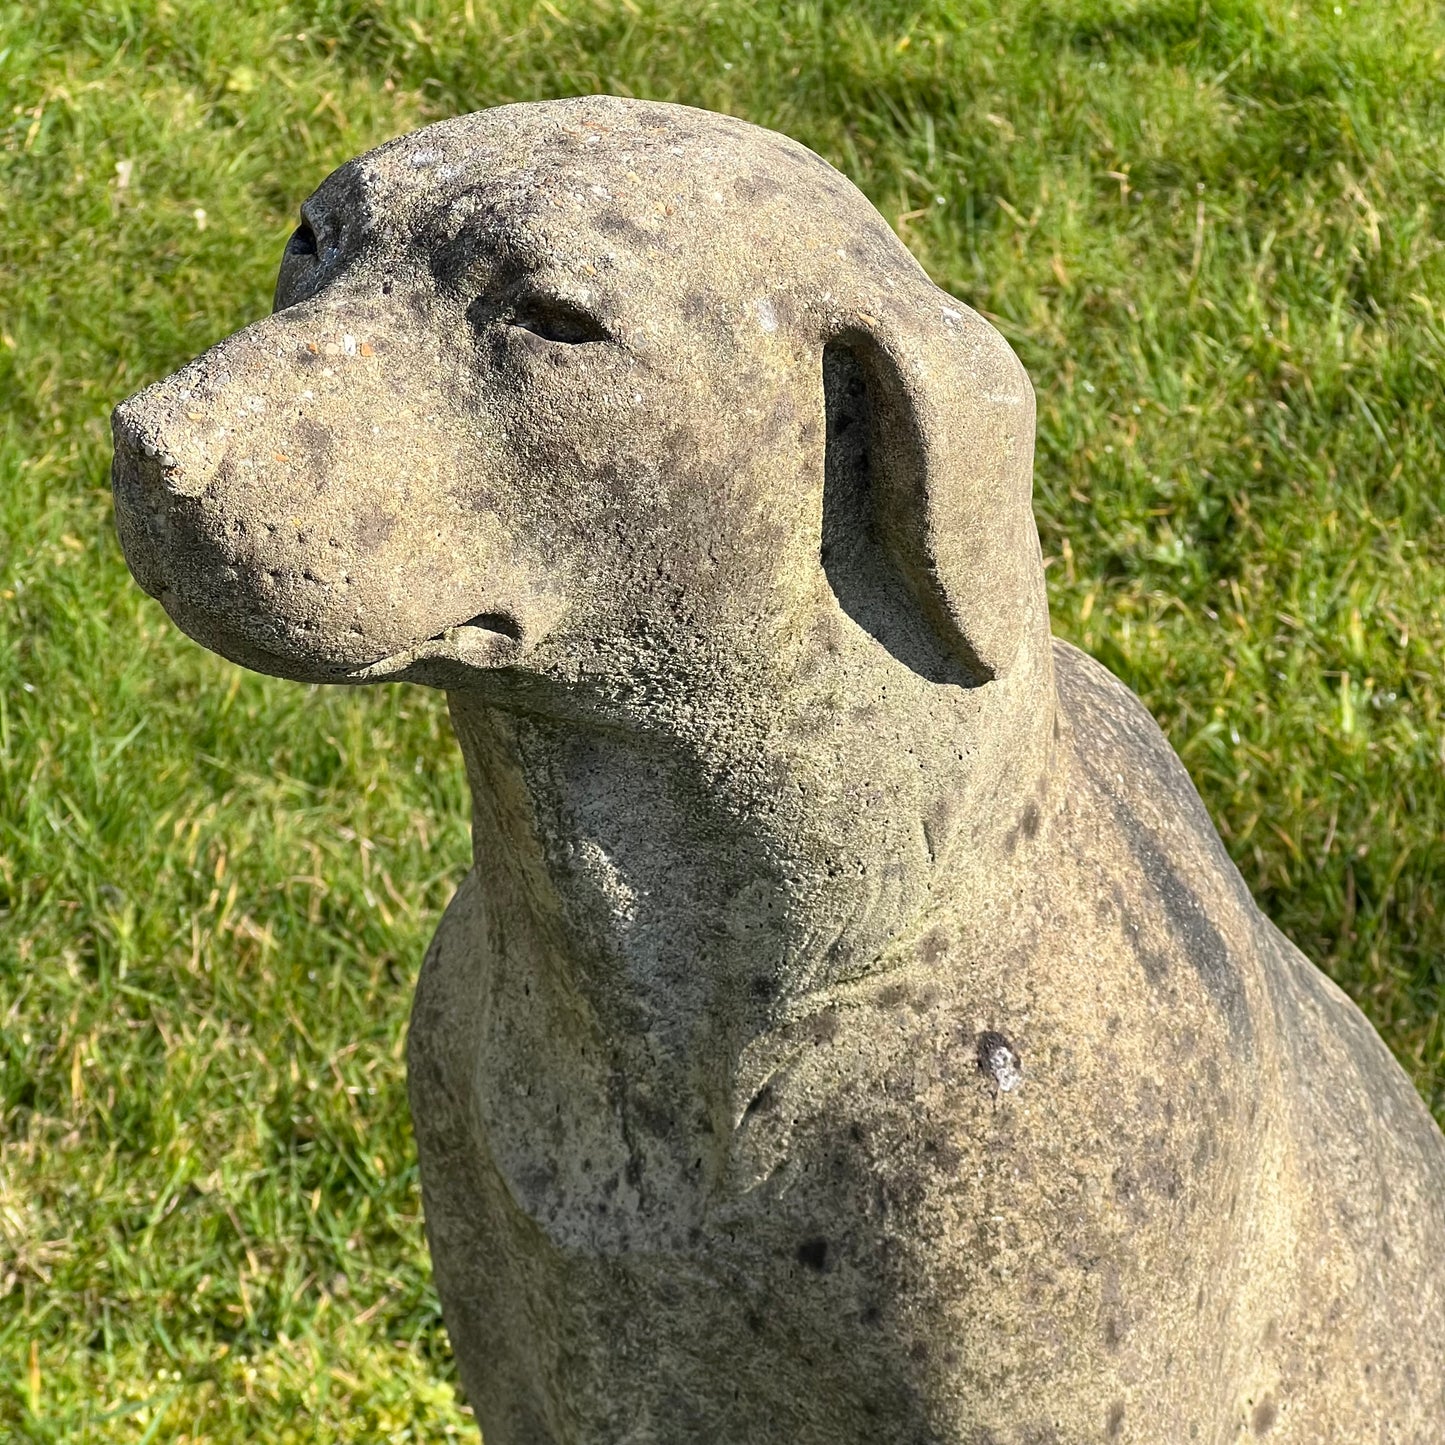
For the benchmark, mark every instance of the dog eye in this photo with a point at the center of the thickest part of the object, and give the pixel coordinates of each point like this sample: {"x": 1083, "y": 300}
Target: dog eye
{"x": 555, "y": 320}
{"x": 303, "y": 240}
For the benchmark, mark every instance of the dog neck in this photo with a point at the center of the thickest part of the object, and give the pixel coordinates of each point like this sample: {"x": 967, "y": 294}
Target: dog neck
{"x": 698, "y": 886}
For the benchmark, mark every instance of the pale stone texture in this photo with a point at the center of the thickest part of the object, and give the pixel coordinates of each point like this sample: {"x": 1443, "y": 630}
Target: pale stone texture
{"x": 852, "y": 1031}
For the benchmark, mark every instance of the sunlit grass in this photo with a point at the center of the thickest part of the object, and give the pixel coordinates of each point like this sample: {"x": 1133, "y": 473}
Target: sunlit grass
{"x": 1211, "y": 231}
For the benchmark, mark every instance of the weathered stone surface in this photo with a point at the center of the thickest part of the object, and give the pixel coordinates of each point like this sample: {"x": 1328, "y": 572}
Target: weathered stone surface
{"x": 852, "y": 1029}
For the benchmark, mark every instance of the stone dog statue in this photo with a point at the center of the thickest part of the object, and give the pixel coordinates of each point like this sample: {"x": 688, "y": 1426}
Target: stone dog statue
{"x": 852, "y": 1031}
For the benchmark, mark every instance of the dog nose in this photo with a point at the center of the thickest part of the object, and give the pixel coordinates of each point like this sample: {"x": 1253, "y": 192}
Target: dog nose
{"x": 154, "y": 474}
{"x": 157, "y": 461}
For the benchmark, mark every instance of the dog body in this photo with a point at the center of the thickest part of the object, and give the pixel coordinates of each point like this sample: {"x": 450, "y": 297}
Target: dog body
{"x": 852, "y": 1029}
{"x": 1203, "y": 1213}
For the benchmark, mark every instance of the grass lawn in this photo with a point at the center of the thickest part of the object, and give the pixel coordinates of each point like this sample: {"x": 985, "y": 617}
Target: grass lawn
{"x": 1213, "y": 229}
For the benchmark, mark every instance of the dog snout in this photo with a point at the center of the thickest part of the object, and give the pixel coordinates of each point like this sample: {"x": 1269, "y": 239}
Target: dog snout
{"x": 158, "y": 472}
{"x": 155, "y": 459}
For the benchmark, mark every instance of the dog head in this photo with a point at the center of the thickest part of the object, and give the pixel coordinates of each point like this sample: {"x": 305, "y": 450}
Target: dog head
{"x": 594, "y": 398}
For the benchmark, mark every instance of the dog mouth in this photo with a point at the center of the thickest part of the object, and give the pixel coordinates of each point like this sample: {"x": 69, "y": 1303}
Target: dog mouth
{"x": 487, "y": 640}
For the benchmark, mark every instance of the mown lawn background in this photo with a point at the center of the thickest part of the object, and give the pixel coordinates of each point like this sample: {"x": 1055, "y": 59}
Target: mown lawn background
{"x": 1213, "y": 233}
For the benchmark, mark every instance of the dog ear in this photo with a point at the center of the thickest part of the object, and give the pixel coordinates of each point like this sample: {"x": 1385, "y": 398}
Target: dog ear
{"x": 928, "y": 483}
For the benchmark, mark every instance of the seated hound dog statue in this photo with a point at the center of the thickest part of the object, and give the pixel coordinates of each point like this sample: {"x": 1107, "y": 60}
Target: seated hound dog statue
{"x": 852, "y": 1030}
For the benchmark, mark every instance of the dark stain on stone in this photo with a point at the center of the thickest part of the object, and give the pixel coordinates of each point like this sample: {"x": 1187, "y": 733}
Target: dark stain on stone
{"x": 934, "y": 945}
{"x": 696, "y": 306}
{"x": 613, "y": 222}
{"x": 758, "y": 188}
{"x": 940, "y": 818}
{"x": 1201, "y": 943}
{"x": 814, "y": 1254}
{"x": 943, "y": 1154}
{"x": 1029, "y": 822}
{"x": 373, "y": 530}
{"x": 1154, "y": 963}
{"x": 312, "y": 448}
{"x": 1204, "y": 1150}
{"x": 823, "y": 1027}
{"x": 926, "y": 999}
{"x": 1204, "y": 945}
{"x": 1114, "y": 1420}
{"x": 1264, "y": 1415}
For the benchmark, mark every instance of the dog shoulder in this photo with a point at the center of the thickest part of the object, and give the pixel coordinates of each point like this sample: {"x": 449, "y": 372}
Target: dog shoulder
{"x": 1150, "y": 840}
{"x": 1122, "y": 752}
